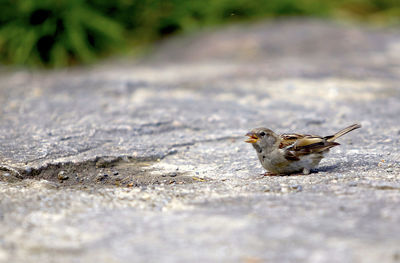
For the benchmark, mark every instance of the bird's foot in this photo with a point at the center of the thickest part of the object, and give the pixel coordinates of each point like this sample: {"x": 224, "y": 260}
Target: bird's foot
{"x": 305, "y": 171}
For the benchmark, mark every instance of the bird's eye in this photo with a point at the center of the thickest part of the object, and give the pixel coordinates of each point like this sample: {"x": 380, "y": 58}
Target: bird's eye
{"x": 262, "y": 133}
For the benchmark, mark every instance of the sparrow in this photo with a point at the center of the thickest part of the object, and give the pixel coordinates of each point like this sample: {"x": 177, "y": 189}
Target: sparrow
{"x": 292, "y": 153}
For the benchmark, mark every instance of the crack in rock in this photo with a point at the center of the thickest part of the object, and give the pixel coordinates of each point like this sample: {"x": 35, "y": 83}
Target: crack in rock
{"x": 123, "y": 171}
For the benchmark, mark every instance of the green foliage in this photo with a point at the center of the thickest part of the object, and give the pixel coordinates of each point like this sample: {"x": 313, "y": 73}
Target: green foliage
{"x": 54, "y": 33}
{"x": 57, "y": 33}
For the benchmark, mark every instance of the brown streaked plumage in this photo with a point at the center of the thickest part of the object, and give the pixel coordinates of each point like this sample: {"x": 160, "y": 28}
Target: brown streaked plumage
{"x": 291, "y": 153}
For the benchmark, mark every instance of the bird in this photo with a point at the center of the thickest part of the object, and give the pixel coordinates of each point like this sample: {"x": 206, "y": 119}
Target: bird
{"x": 292, "y": 153}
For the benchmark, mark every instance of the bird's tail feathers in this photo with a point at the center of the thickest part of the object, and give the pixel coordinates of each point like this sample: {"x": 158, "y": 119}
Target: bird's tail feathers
{"x": 340, "y": 133}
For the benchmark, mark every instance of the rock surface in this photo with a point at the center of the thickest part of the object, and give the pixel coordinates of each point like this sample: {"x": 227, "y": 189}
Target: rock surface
{"x": 146, "y": 161}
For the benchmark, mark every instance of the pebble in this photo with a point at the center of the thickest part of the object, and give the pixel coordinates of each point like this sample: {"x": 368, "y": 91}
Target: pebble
{"x": 62, "y": 176}
{"x": 28, "y": 170}
{"x": 284, "y": 188}
{"x": 173, "y": 175}
{"x": 296, "y": 187}
{"x": 266, "y": 189}
{"x": 6, "y": 174}
{"x": 115, "y": 173}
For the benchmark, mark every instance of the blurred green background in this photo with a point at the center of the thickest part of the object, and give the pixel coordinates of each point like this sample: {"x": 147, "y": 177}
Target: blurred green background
{"x": 58, "y": 33}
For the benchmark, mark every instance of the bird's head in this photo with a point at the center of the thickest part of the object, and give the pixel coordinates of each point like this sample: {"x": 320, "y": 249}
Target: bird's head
{"x": 261, "y": 137}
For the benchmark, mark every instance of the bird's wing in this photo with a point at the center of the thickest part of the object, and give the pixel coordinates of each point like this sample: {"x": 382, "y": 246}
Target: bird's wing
{"x": 297, "y": 145}
{"x": 289, "y": 139}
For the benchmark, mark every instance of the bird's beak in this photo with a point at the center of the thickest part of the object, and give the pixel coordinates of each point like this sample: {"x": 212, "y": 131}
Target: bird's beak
{"x": 252, "y": 137}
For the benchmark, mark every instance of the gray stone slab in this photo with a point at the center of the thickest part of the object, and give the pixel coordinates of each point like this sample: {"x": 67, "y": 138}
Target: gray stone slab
{"x": 146, "y": 162}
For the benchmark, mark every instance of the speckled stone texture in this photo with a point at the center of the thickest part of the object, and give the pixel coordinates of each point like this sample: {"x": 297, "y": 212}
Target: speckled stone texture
{"x": 182, "y": 112}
